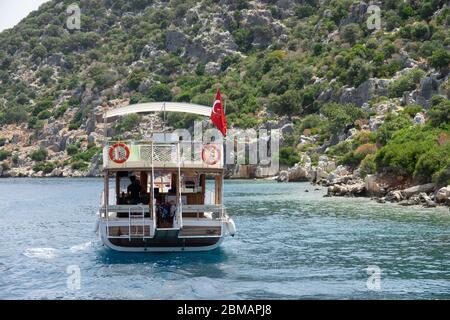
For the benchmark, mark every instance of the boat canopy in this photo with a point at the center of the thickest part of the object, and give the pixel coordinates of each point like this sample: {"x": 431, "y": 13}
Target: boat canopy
{"x": 159, "y": 107}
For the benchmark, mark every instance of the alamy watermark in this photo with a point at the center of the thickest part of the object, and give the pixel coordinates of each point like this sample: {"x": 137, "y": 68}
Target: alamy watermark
{"x": 374, "y": 19}
{"x": 73, "y": 21}
{"x": 73, "y": 281}
{"x": 242, "y": 147}
{"x": 374, "y": 280}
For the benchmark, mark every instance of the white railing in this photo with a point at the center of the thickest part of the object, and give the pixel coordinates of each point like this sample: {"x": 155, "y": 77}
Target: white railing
{"x": 219, "y": 210}
{"x": 168, "y": 154}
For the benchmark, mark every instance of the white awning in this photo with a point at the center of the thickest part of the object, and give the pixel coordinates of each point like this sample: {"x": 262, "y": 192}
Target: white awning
{"x": 160, "y": 107}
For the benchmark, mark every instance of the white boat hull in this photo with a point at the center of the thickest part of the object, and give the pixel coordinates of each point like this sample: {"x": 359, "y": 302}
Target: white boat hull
{"x": 162, "y": 244}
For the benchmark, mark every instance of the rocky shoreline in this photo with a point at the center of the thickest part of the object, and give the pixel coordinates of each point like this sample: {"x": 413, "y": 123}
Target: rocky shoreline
{"x": 381, "y": 188}
{"x": 339, "y": 183}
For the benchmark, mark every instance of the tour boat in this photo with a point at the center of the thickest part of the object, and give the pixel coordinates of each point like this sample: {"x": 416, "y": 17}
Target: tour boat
{"x": 165, "y": 193}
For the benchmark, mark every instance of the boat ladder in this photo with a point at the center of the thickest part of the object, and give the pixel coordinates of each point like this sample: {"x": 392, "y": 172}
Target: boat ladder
{"x": 136, "y": 215}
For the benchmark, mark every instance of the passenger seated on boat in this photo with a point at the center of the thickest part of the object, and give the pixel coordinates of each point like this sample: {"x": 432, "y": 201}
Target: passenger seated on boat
{"x": 134, "y": 190}
{"x": 165, "y": 212}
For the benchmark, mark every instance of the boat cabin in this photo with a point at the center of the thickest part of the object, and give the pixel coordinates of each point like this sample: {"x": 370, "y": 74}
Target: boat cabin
{"x": 163, "y": 194}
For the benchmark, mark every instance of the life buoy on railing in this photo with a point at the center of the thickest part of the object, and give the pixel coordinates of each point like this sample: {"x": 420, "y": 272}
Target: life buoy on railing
{"x": 119, "y": 152}
{"x": 210, "y": 154}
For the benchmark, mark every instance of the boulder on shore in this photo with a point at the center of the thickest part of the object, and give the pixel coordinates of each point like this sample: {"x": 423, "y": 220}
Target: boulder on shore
{"x": 443, "y": 195}
{"x": 394, "y": 196}
{"x": 355, "y": 189}
{"x": 426, "y": 188}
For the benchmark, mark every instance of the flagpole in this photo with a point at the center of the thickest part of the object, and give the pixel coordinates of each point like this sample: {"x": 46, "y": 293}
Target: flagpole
{"x": 224, "y": 111}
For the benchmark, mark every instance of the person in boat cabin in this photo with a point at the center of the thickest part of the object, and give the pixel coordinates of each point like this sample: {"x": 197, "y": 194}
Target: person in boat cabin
{"x": 134, "y": 190}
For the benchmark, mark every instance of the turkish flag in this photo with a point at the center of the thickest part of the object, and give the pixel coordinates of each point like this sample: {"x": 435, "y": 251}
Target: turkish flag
{"x": 218, "y": 114}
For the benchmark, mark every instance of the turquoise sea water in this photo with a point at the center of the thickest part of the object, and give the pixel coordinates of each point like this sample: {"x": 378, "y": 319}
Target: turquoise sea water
{"x": 290, "y": 244}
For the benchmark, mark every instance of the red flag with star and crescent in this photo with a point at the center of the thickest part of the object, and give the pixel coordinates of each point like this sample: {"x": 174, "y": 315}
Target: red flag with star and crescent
{"x": 218, "y": 114}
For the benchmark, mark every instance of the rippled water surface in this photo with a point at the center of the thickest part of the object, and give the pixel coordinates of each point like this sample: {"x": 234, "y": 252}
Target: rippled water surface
{"x": 290, "y": 244}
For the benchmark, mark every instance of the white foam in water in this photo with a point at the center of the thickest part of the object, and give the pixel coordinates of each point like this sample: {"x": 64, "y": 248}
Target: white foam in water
{"x": 40, "y": 253}
{"x": 80, "y": 247}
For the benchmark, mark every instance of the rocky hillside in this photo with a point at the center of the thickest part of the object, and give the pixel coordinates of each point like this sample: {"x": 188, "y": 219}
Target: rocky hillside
{"x": 371, "y": 101}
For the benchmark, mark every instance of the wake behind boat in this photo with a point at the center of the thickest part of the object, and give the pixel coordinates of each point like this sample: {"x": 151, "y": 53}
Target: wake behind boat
{"x": 160, "y": 199}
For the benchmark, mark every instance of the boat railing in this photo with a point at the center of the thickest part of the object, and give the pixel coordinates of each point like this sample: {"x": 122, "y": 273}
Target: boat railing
{"x": 217, "y": 211}
{"x": 124, "y": 208}
{"x": 163, "y": 154}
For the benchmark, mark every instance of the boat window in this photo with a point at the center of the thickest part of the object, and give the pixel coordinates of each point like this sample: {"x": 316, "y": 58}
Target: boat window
{"x": 162, "y": 183}
{"x": 190, "y": 183}
{"x": 122, "y": 183}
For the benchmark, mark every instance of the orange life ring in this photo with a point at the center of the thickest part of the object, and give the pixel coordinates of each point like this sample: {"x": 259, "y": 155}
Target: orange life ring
{"x": 210, "y": 154}
{"x": 119, "y": 152}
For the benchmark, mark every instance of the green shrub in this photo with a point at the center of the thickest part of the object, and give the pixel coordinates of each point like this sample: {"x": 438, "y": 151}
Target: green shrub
{"x": 80, "y": 165}
{"x": 341, "y": 148}
{"x": 128, "y": 123}
{"x": 437, "y": 158}
{"x": 135, "y": 79}
{"x": 4, "y": 154}
{"x": 341, "y": 116}
{"x": 42, "y": 105}
{"x": 415, "y": 151}
{"x": 354, "y": 158}
{"x": 412, "y": 109}
{"x": 392, "y": 124}
{"x": 311, "y": 121}
{"x": 303, "y": 11}
{"x": 442, "y": 177}
{"x": 289, "y": 156}
{"x": 14, "y": 115}
{"x": 72, "y": 149}
{"x": 244, "y": 121}
{"x": 45, "y": 167}
{"x": 77, "y": 120}
{"x": 181, "y": 120}
{"x": 350, "y": 33}
{"x": 439, "y": 114}
{"x": 45, "y": 75}
{"x": 103, "y": 76}
{"x": 86, "y": 155}
{"x": 39, "y": 51}
{"x": 439, "y": 59}
{"x": 358, "y": 72}
{"x": 405, "y": 10}
{"x": 2, "y": 142}
{"x": 244, "y": 39}
{"x": 407, "y": 82}
{"x": 200, "y": 69}
{"x": 39, "y": 155}
{"x": 428, "y": 8}
{"x": 368, "y": 165}
{"x": 228, "y": 61}
{"x": 289, "y": 103}
{"x": 44, "y": 115}
{"x": 59, "y": 112}
{"x": 420, "y": 31}
{"x": 159, "y": 92}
